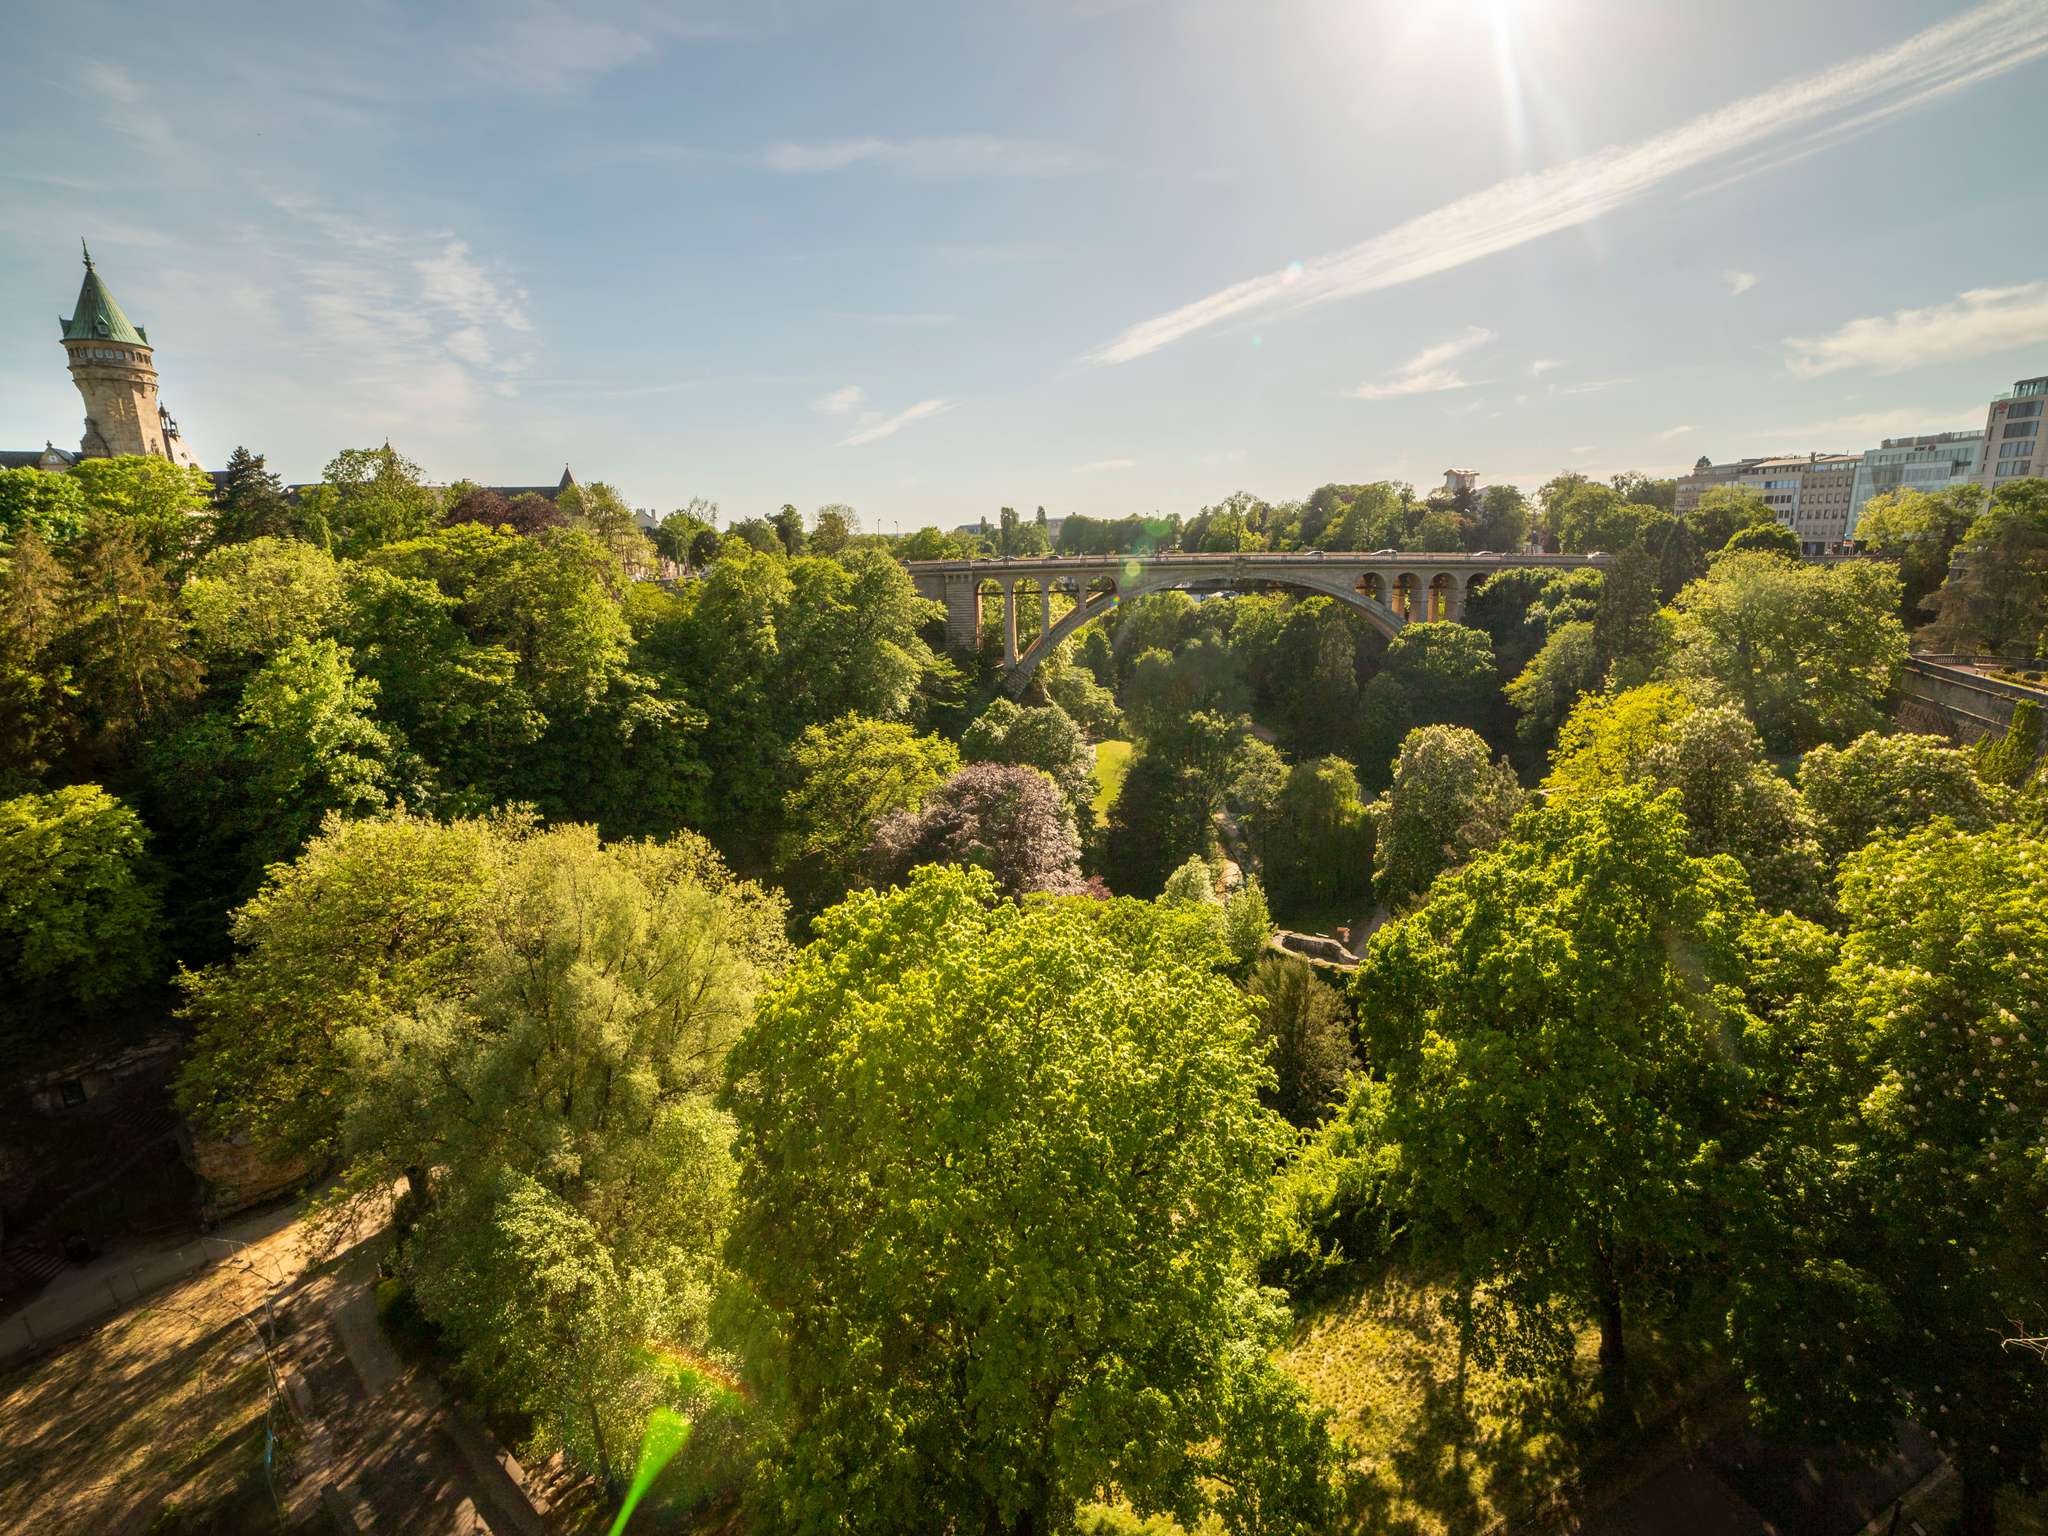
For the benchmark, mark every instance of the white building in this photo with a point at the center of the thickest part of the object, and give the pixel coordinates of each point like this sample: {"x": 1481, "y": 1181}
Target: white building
{"x": 1931, "y": 462}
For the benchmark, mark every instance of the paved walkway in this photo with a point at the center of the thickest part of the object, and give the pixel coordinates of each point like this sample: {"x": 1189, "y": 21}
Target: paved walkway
{"x": 82, "y": 1295}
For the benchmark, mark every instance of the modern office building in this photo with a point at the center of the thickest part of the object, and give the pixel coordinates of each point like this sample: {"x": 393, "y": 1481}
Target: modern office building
{"x": 1810, "y": 493}
{"x": 1930, "y": 462}
{"x": 2013, "y": 435}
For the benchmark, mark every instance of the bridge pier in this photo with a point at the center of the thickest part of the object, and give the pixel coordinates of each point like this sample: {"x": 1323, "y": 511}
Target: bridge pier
{"x": 1010, "y": 623}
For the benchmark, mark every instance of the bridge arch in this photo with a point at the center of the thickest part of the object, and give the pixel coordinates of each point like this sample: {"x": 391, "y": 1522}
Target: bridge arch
{"x": 1099, "y": 596}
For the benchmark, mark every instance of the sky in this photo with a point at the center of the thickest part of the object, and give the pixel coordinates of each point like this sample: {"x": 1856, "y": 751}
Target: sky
{"x": 1101, "y": 256}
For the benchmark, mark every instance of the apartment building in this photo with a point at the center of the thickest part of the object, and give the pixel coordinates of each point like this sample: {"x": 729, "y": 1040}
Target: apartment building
{"x": 2013, "y": 435}
{"x": 1930, "y": 462}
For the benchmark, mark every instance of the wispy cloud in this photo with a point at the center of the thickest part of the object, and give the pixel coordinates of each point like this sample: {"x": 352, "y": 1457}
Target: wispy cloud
{"x": 1670, "y": 434}
{"x": 840, "y": 401}
{"x": 1544, "y": 365}
{"x": 1976, "y": 45}
{"x": 1103, "y": 466}
{"x": 953, "y": 156}
{"x": 1977, "y": 322}
{"x": 1738, "y": 281}
{"x": 1429, "y": 371}
{"x": 875, "y": 431}
{"x": 1591, "y": 386}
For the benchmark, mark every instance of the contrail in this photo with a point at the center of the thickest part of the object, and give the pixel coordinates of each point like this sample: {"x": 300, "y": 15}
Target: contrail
{"x": 1849, "y": 97}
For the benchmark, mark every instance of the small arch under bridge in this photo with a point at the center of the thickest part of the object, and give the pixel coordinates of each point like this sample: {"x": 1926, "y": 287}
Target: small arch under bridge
{"x": 1391, "y": 590}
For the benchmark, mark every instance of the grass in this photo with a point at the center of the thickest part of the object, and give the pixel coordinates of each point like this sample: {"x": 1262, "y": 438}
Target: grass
{"x": 1112, "y": 762}
{"x": 1385, "y": 1362}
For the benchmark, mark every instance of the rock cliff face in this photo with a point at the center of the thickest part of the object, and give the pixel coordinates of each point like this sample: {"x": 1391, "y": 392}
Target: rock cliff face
{"x": 233, "y": 1175}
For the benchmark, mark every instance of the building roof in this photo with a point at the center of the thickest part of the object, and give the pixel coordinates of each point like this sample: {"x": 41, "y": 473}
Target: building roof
{"x": 97, "y": 317}
{"x": 33, "y": 458}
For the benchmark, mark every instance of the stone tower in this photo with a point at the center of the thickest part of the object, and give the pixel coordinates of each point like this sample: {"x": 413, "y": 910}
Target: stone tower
{"x": 110, "y": 364}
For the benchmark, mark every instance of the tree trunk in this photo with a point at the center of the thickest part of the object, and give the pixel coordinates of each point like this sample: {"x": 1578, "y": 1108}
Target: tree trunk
{"x": 1979, "y": 1516}
{"x": 1613, "y": 1354}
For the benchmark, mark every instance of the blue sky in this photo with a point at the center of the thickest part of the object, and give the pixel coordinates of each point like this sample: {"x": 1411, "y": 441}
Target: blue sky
{"x": 1098, "y": 255}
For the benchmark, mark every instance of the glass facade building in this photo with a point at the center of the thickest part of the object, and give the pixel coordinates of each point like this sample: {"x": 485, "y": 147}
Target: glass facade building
{"x": 1928, "y": 463}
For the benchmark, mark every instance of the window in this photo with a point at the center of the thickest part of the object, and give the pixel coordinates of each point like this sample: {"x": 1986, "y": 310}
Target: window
{"x": 2012, "y": 467}
{"x": 2022, "y": 428}
{"x": 2023, "y": 408}
{"x": 2015, "y": 450}
{"x": 73, "y": 1092}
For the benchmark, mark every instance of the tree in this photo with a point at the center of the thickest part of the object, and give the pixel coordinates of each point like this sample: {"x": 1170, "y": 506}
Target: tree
{"x": 1545, "y": 691}
{"x": 1045, "y": 738}
{"x": 602, "y": 511}
{"x": 163, "y": 508}
{"x": 834, "y": 529}
{"x": 251, "y": 503}
{"x": 373, "y": 919}
{"x": 124, "y": 637}
{"x": 1445, "y": 671}
{"x": 1724, "y": 511}
{"x": 1810, "y": 652}
{"x": 1996, "y": 595}
{"x": 1555, "y": 1025}
{"x": 1088, "y": 704}
{"x": 927, "y": 544}
{"x": 1307, "y": 1034}
{"x": 1735, "y": 804}
{"x": 1581, "y": 516}
{"x": 250, "y": 599}
{"x": 1007, "y": 820}
{"x": 80, "y": 925}
{"x": 1772, "y": 538}
{"x": 1887, "y": 786}
{"x": 851, "y": 775}
{"x": 1450, "y": 801}
{"x": 571, "y": 1175}
{"x": 1247, "y": 922}
{"x": 788, "y": 525}
{"x": 308, "y": 744}
{"x": 1607, "y": 739}
{"x": 1318, "y": 837}
{"x": 1899, "y": 1214}
{"x": 960, "y": 1347}
{"x": 376, "y": 497}
{"x": 2008, "y": 759}
{"x": 1920, "y": 530}
{"x": 689, "y": 536}
{"x": 53, "y": 505}
{"x": 1503, "y": 521}
{"x": 36, "y": 689}
{"x": 1172, "y": 789}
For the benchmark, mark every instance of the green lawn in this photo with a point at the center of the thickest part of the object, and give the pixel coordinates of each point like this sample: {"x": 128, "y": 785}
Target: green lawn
{"x": 1112, "y": 762}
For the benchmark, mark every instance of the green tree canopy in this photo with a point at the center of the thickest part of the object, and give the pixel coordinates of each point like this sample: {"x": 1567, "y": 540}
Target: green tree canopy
{"x": 1884, "y": 786}
{"x": 251, "y": 599}
{"x": 1898, "y": 1250}
{"x": 375, "y": 496}
{"x": 80, "y": 925}
{"x": 851, "y": 775}
{"x": 1450, "y": 800}
{"x": 1002, "y": 1179}
{"x": 1555, "y": 1022}
{"x": 1809, "y": 651}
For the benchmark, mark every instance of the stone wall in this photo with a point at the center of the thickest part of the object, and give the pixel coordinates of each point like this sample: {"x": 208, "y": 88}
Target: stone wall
{"x": 1949, "y": 696}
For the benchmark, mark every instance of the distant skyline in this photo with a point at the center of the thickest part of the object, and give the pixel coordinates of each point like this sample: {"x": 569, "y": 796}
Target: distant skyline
{"x": 1104, "y": 256}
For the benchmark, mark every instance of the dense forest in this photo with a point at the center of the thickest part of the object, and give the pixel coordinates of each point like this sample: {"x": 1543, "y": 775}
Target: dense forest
{"x": 764, "y": 1018}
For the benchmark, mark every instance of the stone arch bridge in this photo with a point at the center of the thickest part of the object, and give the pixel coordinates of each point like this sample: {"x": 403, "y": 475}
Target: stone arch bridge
{"x": 1390, "y": 589}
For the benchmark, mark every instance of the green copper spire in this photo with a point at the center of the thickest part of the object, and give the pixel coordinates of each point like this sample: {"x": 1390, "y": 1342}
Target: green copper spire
{"x": 97, "y": 317}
